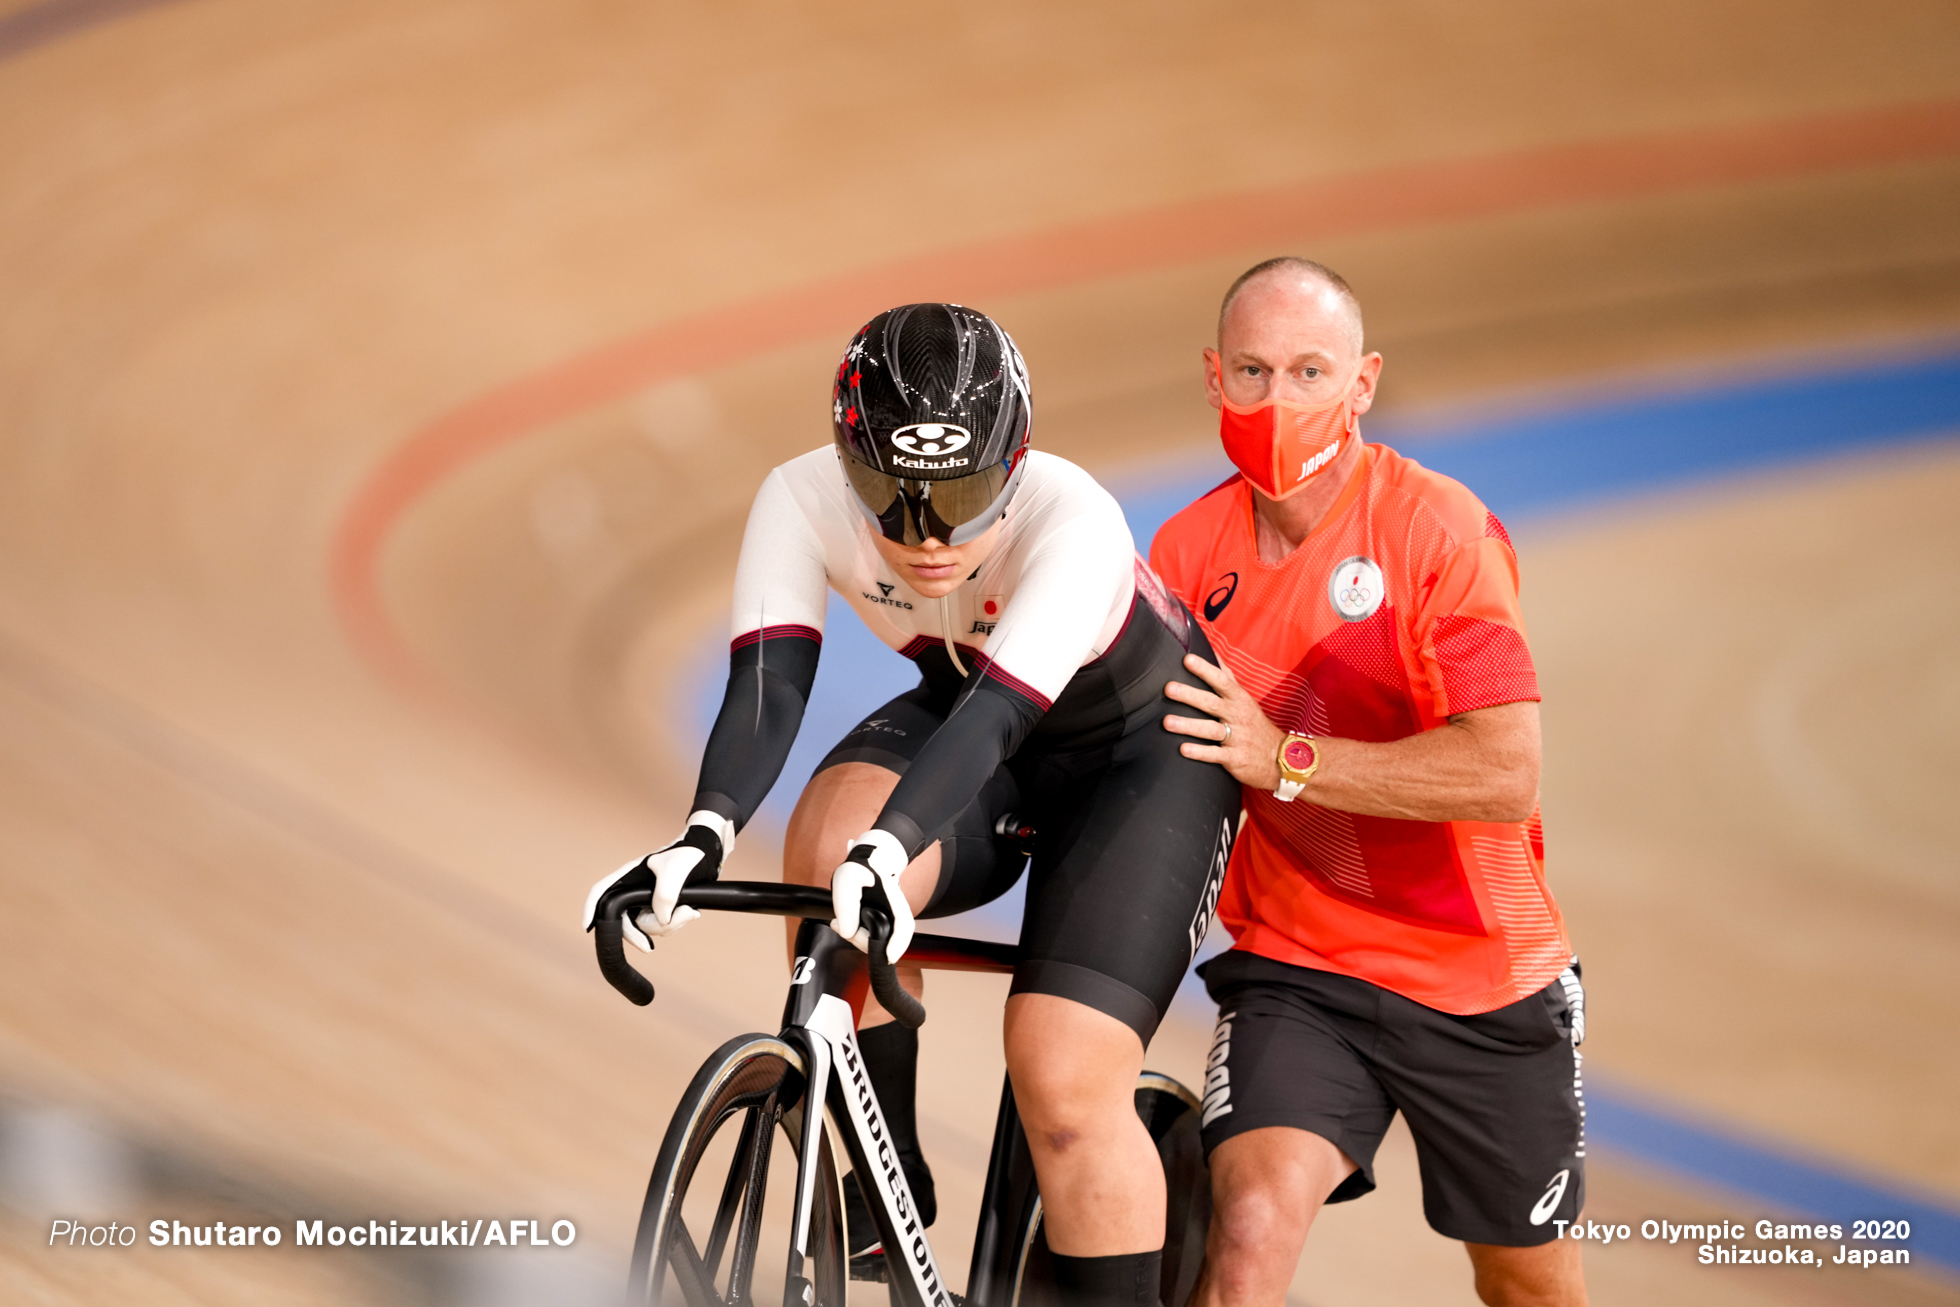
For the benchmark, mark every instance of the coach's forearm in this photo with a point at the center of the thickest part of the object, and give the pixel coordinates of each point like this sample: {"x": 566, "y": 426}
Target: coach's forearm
{"x": 1480, "y": 766}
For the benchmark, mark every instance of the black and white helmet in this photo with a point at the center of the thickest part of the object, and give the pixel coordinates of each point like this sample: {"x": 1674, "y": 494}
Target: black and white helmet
{"x": 931, "y": 413}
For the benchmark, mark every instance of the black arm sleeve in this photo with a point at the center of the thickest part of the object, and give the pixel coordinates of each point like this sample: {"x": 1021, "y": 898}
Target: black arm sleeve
{"x": 985, "y": 727}
{"x": 769, "y": 683}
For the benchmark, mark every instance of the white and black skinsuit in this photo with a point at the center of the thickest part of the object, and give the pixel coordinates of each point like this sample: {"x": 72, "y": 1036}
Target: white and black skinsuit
{"x": 1041, "y": 694}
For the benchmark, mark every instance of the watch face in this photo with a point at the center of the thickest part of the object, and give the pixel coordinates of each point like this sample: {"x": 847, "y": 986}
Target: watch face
{"x": 1298, "y": 754}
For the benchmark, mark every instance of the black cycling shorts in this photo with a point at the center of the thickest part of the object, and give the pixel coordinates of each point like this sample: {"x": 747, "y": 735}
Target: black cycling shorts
{"x": 1130, "y": 846}
{"x": 1494, "y": 1100}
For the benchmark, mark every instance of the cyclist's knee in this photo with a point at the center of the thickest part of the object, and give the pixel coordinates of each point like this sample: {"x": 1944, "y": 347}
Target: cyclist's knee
{"x": 1073, "y": 1068}
{"x": 1060, "y": 1124}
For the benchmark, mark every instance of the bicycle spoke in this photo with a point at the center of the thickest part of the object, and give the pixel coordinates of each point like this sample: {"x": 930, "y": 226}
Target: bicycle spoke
{"x": 697, "y": 1284}
{"x": 731, "y": 1192}
{"x": 728, "y": 1210}
{"x": 748, "y": 1234}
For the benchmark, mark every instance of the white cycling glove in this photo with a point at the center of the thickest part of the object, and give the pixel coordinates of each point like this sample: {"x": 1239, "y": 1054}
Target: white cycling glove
{"x": 696, "y": 856}
{"x": 876, "y": 858}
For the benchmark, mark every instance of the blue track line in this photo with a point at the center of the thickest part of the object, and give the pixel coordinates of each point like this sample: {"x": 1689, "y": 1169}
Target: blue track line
{"x": 1573, "y": 457}
{"x": 1773, "y": 1173}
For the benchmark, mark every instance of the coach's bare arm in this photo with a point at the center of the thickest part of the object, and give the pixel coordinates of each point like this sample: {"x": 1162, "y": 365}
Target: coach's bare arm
{"x": 1479, "y": 766}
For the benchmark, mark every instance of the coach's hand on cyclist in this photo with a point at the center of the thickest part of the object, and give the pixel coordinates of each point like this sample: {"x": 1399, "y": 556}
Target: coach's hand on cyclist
{"x": 870, "y": 872}
{"x": 1238, "y": 735}
{"x": 693, "y": 859}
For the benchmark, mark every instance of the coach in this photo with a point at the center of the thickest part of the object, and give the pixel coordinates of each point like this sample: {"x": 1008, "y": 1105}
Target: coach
{"x": 1395, "y": 945}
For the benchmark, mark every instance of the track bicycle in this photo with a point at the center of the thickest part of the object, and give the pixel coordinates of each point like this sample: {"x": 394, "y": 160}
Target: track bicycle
{"x": 702, "y": 1225}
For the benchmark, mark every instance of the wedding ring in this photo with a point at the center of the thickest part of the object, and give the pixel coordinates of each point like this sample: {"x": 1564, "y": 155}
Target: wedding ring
{"x": 1228, "y": 734}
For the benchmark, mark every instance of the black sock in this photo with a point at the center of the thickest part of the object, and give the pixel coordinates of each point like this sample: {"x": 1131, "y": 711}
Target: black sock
{"x": 1125, "y": 1280}
{"x": 891, "y": 1059}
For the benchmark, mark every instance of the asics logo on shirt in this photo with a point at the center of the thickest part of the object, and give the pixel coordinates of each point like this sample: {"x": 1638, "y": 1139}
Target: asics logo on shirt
{"x": 1215, "y": 601}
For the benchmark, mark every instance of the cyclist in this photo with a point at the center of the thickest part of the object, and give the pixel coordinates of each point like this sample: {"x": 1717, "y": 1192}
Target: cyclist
{"x": 1043, "y": 646}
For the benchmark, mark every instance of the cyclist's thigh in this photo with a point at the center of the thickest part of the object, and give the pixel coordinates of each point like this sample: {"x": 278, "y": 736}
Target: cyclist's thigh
{"x": 974, "y": 865}
{"x": 850, "y": 787}
{"x": 1123, "y": 890}
{"x": 977, "y": 865}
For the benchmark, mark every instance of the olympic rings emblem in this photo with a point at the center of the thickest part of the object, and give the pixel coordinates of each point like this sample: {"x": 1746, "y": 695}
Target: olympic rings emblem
{"x": 1356, "y": 588}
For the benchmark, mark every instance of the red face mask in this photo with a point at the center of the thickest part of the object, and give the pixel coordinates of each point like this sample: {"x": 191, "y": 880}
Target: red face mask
{"x": 1280, "y": 445}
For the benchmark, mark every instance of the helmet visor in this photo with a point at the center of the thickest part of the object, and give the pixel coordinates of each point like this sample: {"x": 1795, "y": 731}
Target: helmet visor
{"x": 909, "y": 512}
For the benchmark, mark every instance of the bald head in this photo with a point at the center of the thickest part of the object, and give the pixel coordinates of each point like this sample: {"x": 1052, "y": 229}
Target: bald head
{"x": 1292, "y": 285}
{"x": 1290, "y": 330}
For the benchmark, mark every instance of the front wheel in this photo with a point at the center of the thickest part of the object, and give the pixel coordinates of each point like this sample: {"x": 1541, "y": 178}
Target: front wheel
{"x": 721, "y": 1194}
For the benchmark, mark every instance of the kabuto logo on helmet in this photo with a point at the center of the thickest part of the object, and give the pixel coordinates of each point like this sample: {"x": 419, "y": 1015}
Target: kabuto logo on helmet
{"x": 932, "y": 438}
{"x": 936, "y": 440}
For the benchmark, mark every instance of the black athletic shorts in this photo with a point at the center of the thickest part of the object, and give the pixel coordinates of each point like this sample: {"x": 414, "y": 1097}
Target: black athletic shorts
{"x": 1129, "y": 851}
{"x": 1494, "y": 1100}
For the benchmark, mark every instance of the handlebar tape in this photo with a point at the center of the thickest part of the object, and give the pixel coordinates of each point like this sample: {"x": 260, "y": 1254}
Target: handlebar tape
{"x": 905, "y": 1009}
{"x": 609, "y": 940}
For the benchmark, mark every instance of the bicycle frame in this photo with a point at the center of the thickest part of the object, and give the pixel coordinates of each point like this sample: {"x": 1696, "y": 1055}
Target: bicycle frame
{"x": 827, "y": 988}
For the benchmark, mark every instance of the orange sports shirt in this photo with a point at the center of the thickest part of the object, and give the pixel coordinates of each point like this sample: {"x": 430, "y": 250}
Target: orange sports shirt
{"x": 1399, "y": 611}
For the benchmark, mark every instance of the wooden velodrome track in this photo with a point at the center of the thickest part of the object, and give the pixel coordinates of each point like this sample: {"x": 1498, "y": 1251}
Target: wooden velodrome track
{"x": 382, "y": 387}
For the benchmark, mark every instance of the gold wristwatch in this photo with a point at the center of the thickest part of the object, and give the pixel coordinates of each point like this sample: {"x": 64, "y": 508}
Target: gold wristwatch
{"x": 1298, "y": 759}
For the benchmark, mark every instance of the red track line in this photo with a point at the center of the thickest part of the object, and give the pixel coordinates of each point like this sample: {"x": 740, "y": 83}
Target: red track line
{"x": 1256, "y": 221}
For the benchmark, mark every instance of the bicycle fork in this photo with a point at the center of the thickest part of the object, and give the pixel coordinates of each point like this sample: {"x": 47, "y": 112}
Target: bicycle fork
{"x": 820, "y": 1018}
{"x": 798, "y": 1290}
